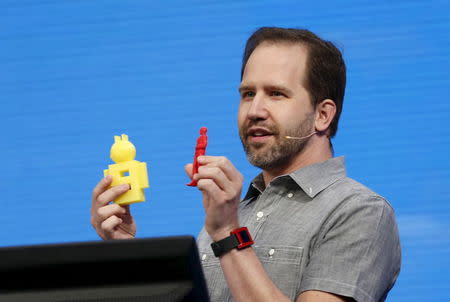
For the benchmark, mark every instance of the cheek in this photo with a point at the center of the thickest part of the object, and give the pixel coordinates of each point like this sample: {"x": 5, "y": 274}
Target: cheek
{"x": 283, "y": 114}
{"x": 287, "y": 117}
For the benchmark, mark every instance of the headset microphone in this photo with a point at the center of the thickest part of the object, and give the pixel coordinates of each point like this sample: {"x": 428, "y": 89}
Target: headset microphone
{"x": 302, "y": 137}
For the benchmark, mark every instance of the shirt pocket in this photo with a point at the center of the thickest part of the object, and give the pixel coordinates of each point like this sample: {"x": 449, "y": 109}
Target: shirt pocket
{"x": 215, "y": 280}
{"x": 283, "y": 265}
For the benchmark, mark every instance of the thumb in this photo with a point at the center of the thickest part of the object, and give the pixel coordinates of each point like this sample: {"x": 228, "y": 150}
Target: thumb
{"x": 188, "y": 169}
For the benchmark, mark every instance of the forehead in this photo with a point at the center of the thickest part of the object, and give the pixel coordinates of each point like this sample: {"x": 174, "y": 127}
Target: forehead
{"x": 282, "y": 62}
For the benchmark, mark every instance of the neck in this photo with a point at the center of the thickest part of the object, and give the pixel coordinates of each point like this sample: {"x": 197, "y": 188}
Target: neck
{"x": 317, "y": 150}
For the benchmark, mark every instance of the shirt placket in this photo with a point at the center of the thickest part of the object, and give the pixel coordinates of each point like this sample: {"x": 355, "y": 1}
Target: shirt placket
{"x": 266, "y": 203}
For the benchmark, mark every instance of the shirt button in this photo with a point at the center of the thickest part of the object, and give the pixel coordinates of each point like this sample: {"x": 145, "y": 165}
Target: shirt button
{"x": 271, "y": 252}
{"x": 290, "y": 195}
{"x": 204, "y": 257}
{"x": 259, "y": 215}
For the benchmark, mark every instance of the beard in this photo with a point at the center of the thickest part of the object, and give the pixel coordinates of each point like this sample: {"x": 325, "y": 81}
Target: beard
{"x": 281, "y": 151}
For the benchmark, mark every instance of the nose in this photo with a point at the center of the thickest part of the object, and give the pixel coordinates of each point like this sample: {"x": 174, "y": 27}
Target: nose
{"x": 258, "y": 109}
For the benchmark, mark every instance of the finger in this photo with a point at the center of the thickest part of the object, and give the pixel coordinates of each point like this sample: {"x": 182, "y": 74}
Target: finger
{"x": 221, "y": 161}
{"x": 208, "y": 186}
{"x": 111, "y": 194}
{"x": 107, "y": 211}
{"x": 188, "y": 169}
{"x": 206, "y": 159}
{"x": 110, "y": 224}
{"x": 214, "y": 173}
{"x": 101, "y": 187}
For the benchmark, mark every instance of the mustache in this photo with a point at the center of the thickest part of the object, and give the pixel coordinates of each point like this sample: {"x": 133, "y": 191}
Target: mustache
{"x": 270, "y": 127}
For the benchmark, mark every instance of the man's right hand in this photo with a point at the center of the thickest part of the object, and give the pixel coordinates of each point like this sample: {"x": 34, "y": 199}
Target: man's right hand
{"x": 110, "y": 220}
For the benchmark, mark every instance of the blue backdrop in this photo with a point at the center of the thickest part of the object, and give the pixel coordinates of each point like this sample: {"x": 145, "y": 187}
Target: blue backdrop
{"x": 75, "y": 73}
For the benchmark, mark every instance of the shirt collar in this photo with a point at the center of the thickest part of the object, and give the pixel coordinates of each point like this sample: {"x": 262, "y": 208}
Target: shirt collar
{"x": 315, "y": 178}
{"x": 312, "y": 179}
{"x": 256, "y": 187}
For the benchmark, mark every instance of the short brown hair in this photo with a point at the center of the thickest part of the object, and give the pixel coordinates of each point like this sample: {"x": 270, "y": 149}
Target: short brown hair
{"x": 325, "y": 67}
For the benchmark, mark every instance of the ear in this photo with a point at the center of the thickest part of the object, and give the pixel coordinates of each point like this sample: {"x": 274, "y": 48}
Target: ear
{"x": 325, "y": 112}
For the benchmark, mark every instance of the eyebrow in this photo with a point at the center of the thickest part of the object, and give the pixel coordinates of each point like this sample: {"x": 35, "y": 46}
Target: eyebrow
{"x": 279, "y": 88}
{"x": 267, "y": 87}
{"x": 244, "y": 87}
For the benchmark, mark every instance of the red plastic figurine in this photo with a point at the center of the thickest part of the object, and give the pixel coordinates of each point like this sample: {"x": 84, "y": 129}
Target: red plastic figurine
{"x": 200, "y": 149}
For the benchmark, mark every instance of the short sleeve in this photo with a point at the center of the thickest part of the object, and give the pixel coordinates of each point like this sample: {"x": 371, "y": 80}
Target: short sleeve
{"x": 357, "y": 251}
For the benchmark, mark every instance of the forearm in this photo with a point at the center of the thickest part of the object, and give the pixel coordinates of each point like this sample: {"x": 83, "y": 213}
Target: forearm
{"x": 221, "y": 186}
{"x": 247, "y": 279}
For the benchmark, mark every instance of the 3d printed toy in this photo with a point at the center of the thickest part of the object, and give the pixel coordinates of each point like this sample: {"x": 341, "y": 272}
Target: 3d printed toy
{"x": 126, "y": 170}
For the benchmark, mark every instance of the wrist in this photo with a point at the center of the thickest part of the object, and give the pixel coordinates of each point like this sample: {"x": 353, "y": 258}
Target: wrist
{"x": 239, "y": 239}
{"x": 222, "y": 233}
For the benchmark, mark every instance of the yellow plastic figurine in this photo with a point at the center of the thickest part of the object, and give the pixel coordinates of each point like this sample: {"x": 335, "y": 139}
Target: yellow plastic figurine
{"x": 127, "y": 171}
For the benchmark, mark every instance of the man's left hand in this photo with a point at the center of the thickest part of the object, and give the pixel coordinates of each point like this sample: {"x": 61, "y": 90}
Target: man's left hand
{"x": 221, "y": 185}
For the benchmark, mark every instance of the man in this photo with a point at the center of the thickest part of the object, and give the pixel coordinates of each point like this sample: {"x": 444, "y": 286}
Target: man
{"x": 319, "y": 235}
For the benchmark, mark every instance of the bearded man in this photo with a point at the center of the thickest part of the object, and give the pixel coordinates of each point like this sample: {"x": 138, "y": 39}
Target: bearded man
{"x": 304, "y": 231}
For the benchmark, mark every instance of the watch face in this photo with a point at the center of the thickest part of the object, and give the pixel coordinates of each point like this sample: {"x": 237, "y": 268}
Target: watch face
{"x": 245, "y": 236}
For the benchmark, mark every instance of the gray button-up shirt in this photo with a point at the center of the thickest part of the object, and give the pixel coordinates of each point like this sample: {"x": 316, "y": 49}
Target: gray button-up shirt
{"x": 316, "y": 229}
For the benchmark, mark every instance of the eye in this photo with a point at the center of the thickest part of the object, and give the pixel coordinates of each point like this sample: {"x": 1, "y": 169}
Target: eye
{"x": 248, "y": 94}
{"x": 276, "y": 93}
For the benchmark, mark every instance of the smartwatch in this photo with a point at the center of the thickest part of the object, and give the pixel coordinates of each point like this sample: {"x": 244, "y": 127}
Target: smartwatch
{"x": 239, "y": 238}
